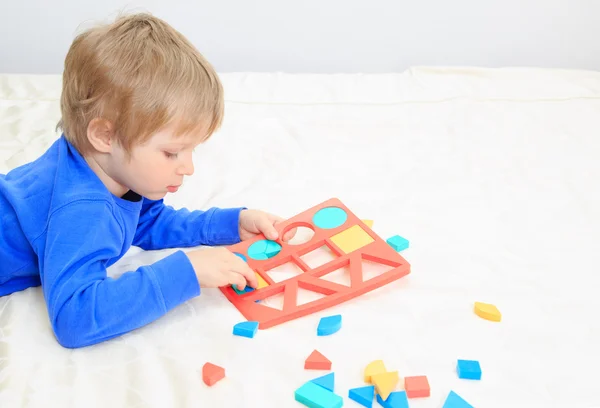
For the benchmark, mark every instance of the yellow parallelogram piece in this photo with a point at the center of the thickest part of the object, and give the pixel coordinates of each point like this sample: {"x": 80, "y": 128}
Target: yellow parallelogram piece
{"x": 352, "y": 239}
{"x": 487, "y": 311}
{"x": 385, "y": 383}
{"x": 374, "y": 367}
{"x": 369, "y": 223}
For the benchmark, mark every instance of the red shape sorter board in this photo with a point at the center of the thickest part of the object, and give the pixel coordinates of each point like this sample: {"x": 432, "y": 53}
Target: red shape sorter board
{"x": 371, "y": 248}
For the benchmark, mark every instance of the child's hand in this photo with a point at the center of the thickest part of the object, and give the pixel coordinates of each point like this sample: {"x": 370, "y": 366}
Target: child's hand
{"x": 216, "y": 267}
{"x": 254, "y": 222}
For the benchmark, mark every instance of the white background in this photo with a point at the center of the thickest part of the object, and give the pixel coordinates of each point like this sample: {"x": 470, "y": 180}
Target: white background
{"x": 326, "y": 36}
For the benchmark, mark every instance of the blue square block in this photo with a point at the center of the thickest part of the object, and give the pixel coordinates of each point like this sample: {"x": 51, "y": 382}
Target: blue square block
{"x": 468, "y": 369}
{"x": 398, "y": 243}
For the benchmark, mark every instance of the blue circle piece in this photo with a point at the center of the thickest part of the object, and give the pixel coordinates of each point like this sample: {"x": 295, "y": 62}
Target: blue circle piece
{"x": 263, "y": 249}
{"x": 330, "y": 217}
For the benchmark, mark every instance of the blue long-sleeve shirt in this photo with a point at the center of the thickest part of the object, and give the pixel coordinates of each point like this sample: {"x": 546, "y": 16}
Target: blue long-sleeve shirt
{"x": 61, "y": 228}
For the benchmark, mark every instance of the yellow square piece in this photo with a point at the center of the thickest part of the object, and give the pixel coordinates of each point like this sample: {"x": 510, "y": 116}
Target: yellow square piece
{"x": 352, "y": 239}
{"x": 261, "y": 282}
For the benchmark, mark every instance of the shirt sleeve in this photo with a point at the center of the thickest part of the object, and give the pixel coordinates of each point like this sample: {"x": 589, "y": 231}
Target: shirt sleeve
{"x": 161, "y": 226}
{"x": 86, "y": 306}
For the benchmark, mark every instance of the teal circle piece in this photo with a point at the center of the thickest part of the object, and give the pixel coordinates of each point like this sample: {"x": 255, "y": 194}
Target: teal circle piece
{"x": 263, "y": 249}
{"x": 330, "y": 217}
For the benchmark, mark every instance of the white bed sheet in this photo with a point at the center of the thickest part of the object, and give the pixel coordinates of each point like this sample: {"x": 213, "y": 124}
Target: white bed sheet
{"x": 491, "y": 174}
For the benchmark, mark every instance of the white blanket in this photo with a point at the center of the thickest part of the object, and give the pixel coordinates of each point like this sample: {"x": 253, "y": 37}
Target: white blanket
{"x": 491, "y": 174}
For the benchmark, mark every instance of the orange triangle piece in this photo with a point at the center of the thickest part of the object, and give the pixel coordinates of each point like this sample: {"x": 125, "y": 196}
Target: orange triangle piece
{"x": 317, "y": 361}
{"x": 211, "y": 374}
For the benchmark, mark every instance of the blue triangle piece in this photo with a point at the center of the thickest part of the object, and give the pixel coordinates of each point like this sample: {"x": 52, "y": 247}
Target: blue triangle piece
{"x": 396, "y": 399}
{"x": 363, "y": 395}
{"x": 329, "y": 325}
{"x": 245, "y": 329}
{"x": 455, "y": 401}
{"x": 326, "y": 381}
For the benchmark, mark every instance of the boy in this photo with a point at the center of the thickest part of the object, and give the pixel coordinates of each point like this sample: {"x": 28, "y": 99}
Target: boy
{"x": 137, "y": 98}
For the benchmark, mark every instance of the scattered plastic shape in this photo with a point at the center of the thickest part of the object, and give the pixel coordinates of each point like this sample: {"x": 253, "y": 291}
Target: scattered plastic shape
{"x": 317, "y": 361}
{"x": 330, "y": 217}
{"x": 468, "y": 369}
{"x": 327, "y": 381}
{"x": 398, "y": 243}
{"x": 329, "y": 325}
{"x": 385, "y": 383}
{"x": 417, "y": 386}
{"x": 455, "y": 401}
{"x": 363, "y": 395}
{"x": 245, "y": 329}
{"x": 374, "y": 367}
{"x": 352, "y": 239}
{"x": 241, "y": 256}
{"x": 487, "y": 311}
{"x": 315, "y": 396}
{"x": 369, "y": 223}
{"x": 261, "y": 282}
{"x": 211, "y": 374}
{"x": 241, "y": 292}
{"x": 397, "y": 399}
{"x": 263, "y": 249}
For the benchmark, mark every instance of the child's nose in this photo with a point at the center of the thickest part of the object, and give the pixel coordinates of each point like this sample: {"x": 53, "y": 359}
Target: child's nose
{"x": 187, "y": 168}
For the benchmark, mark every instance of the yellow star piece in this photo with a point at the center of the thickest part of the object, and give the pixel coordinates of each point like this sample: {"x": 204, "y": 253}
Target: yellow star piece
{"x": 487, "y": 311}
{"x": 374, "y": 367}
{"x": 385, "y": 383}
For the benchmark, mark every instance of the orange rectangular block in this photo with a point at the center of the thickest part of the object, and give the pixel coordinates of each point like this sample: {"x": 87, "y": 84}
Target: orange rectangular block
{"x": 416, "y": 387}
{"x": 328, "y": 220}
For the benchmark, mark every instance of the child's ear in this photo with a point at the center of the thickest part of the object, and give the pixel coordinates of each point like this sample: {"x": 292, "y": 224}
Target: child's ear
{"x": 100, "y": 133}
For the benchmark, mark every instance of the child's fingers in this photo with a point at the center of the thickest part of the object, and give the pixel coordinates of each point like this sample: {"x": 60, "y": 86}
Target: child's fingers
{"x": 244, "y": 270}
{"x": 237, "y": 279}
{"x": 290, "y": 234}
{"x": 265, "y": 225}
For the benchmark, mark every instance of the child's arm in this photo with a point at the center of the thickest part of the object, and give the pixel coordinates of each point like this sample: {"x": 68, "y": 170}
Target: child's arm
{"x": 161, "y": 226}
{"x": 86, "y": 306}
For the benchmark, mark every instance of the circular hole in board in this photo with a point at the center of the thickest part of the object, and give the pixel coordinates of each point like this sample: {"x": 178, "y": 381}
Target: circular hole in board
{"x": 330, "y": 217}
{"x": 304, "y": 233}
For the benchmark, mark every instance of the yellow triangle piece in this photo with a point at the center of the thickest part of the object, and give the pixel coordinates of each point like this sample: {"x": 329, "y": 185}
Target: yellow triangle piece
{"x": 261, "y": 282}
{"x": 374, "y": 367}
{"x": 369, "y": 223}
{"x": 385, "y": 383}
{"x": 488, "y": 311}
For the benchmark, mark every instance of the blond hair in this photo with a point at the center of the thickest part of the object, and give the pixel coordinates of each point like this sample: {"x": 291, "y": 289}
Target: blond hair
{"x": 141, "y": 75}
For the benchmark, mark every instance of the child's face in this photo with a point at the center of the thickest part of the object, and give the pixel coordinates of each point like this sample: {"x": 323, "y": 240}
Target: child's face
{"x": 158, "y": 166}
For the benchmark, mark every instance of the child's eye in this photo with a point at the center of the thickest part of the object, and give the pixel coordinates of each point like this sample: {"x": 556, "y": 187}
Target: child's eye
{"x": 171, "y": 155}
